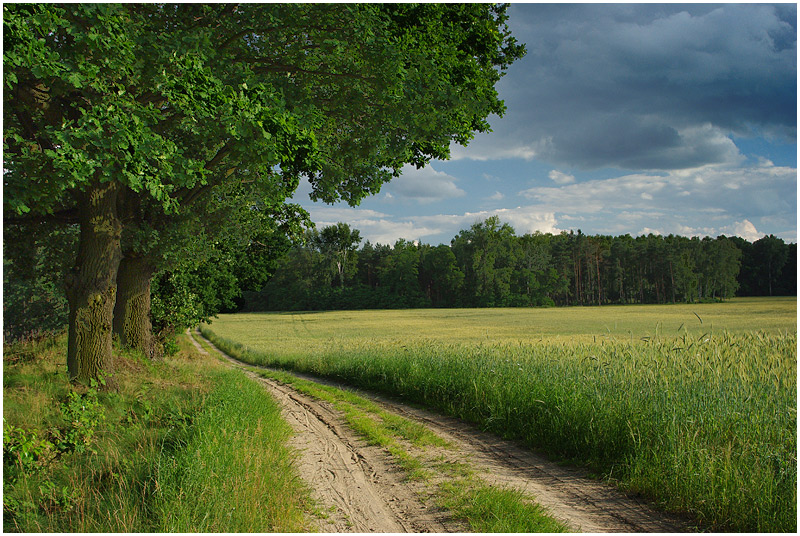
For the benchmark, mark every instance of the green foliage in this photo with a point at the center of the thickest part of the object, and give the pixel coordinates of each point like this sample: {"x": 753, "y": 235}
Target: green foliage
{"x": 83, "y": 414}
{"x": 69, "y": 114}
{"x": 101, "y": 460}
{"x": 103, "y": 96}
{"x": 250, "y": 238}
{"x": 24, "y": 451}
{"x": 173, "y": 305}
{"x": 485, "y": 253}
{"x": 336, "y": 243}
{"x": 769, "y": 267}
{"x": 36, "y": 258}
{"x": 439, "y": 275}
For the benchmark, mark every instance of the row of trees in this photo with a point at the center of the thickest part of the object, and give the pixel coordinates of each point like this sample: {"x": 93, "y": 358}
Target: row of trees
{"x": 489, "y": 265}
{"x": 157, "y": 141}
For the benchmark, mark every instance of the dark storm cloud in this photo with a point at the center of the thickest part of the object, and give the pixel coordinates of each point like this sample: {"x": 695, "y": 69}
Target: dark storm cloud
{"x": 647, "y": 86}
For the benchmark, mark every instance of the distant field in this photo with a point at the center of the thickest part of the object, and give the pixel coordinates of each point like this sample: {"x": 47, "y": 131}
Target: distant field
{"x": 281, "y": 332}
{"x": 694, "y": 406}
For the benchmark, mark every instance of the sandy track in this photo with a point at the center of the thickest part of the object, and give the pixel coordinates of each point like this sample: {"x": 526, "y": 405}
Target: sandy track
{"x": 357, "y": 487}
{"x": 585, "y": 504}
{"x": 367, "y": 492}
{"x": 361, "y": 490}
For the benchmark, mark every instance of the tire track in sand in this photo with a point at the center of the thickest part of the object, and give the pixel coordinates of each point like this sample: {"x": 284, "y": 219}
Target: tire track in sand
{"x": 367, "y": 493}
{"x": 356, "y": 485}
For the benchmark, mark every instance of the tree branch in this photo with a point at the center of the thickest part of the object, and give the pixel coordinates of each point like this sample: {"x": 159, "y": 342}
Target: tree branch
{"x": 190, "y": 195}
{"x": 197, "y": 192}
{"x": 224, "y": 151}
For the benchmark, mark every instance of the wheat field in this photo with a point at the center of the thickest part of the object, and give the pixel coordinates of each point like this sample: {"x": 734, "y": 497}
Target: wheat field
{"x": 693, "y": 406}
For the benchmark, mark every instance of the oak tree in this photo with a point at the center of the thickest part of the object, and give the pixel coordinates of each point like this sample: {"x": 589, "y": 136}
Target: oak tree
{"x": 128, "y": 118}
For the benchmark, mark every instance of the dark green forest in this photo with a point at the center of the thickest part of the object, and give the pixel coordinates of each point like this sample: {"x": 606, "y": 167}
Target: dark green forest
{"x": 489, "y": 265}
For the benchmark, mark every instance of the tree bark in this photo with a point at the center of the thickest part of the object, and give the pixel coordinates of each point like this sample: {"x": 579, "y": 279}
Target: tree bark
{"x": 91, "y": 284}
{"x": 132, "y": 310}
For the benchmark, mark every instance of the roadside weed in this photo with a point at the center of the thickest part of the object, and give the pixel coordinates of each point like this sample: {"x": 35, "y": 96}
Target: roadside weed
{"x": 181, "y": 444}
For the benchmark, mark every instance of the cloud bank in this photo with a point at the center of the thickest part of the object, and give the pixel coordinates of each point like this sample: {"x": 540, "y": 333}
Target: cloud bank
{"x": 645, "y": 87}
{"x": 702, "y": 202}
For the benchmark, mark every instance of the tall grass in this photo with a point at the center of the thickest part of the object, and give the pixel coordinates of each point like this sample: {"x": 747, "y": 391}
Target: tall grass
{"x": 232, "y": 472}
{"x": 701, "y": 424}
{"x": 184, "y": 444}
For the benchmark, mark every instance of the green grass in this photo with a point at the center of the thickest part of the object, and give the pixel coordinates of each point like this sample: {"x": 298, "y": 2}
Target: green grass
{"x": 179, "y": 445}
{"x": 492, "y": 510}
{"x": 455, "y": 487}
{"x": 700, "y": 419}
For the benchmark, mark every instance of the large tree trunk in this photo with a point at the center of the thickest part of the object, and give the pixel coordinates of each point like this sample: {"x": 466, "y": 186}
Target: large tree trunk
{"x": 91, "y": 285}
{"x": 132, "y": 310}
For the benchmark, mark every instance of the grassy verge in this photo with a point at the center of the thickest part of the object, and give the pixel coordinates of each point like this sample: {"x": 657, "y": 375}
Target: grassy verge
{"x": 179, "y": 445}
{"x": 700, "y": 424}
{"x": 455, "y": 487}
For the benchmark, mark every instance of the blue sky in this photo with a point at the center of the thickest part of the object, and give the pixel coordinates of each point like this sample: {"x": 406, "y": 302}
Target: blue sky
{"x": 622, "y": 118}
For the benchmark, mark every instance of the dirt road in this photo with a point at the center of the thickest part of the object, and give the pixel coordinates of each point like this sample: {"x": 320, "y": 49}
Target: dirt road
{"x": 363, "y": 491}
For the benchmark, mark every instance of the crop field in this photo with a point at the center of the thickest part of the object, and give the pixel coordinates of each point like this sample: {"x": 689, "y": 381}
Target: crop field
{"x": 693, "y": 406}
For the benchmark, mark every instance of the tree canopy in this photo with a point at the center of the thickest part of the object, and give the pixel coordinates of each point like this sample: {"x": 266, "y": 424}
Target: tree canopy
{"x": 132, "y": 120}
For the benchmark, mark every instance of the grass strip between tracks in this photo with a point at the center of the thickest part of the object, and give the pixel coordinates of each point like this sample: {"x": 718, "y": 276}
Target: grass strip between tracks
{"x": 454, "y": 485}
{"x": 486, "y": 508}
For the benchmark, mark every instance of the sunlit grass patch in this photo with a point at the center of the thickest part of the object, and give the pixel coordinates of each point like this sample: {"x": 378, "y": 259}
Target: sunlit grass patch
{"x": 492, "y": 510}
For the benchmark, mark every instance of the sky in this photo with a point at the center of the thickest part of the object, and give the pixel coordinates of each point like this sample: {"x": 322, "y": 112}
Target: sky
{"x": 621, "y": 118}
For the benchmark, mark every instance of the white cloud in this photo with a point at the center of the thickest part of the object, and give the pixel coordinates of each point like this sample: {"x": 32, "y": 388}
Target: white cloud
{"x": 487, "y": 151}
{"x": 424, "y": 185}
{"x": 597, "y": 195}
{"x": 561, "y": 178}
{"x": 698, "y": 202}
{"x": 648, "y": 231}
{"x": 497, "y": 196}
{"x": 529, "y": 219}
{"x": 759, "y": 191}
{"x": 378, "y": 227}
{"x": 745, "y": 229}
{"x": 329, "y": 215}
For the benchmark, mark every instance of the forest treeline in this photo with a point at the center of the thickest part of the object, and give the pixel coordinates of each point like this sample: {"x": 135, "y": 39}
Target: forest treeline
{"x": 489, "y": 265}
